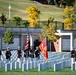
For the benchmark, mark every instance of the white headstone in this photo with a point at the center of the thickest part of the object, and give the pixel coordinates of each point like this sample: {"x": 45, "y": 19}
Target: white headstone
{"x": 23, "y": 66}
{"x": 7, "y": 67}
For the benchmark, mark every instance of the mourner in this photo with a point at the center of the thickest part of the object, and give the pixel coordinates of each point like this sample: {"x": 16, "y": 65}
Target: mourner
{"x": 19, "y": 52}
{"x": 37, "y": 53}
{"x": 26, "y": 53}
{"x": 8, "y": 53}
{"x": 31, "y": 53}
{"x": 0, "y": 54}
{"x": 73, "y": 55}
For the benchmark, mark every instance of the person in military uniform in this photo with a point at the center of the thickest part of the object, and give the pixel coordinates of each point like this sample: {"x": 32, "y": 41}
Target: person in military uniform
{"x": 19, "y": 52}
{"x": 31, "y": 53}
{"x": 8, "y": 53}
{"x": 73, "y": 55}
{"x": 0, "y": 54}
{"x": 26, "y": 54}
{"x": 37, "y": 53}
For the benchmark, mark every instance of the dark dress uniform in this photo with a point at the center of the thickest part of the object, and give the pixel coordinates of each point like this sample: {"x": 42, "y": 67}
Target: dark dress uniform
{"x": 19, "y": 53}
{"x": 26, "y": 53}
{"x": 72, "y": 53}
{"x": 73, "y": 56}
{"x": 8, "y": 54}
{"x": 37, "y": 53}
{"x": 0, "y": 54}
{"x": 31, "y": 53}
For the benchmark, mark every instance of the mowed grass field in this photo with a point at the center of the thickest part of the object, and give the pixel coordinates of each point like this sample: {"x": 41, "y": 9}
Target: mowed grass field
{"x": 18, "y": 8}
{"x": 66, "y": 71}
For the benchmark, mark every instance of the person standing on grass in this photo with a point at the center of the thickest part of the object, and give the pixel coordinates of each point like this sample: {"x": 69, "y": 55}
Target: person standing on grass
{"x": 73, "y": 56}
{"x": 0, "y": 54}
{"x": 37, "y": 53}
{"x": 26, "y": 53}
{"x": 19, "y": 52}
{"x": 8, "y": 53}
{"x": 31, "y": 52}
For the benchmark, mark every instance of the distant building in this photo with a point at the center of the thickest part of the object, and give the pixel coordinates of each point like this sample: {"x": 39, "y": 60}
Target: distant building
{"x": 20, "y": 35}
{"x": 66, "y": 42}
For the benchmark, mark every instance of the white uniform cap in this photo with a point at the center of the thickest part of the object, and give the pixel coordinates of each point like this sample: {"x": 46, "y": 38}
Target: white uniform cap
{"x": 8, "y": 48}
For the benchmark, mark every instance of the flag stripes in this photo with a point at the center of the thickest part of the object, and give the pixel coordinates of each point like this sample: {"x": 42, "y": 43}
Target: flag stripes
{"x": 27, "y": 42}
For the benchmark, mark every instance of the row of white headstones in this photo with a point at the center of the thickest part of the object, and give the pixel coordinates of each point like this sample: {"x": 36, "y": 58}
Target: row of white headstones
{"x": 57, "y": 61}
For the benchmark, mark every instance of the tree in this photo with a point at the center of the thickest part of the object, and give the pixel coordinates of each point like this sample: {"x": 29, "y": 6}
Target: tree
{"x": 33, "y": 14}
{"x": 26, "y": 24}
{"x": 3, "y": 18}
{"x": 74, "y": 17}
{"x": 49, "y": 31}
{"x": 50, "y": 19}
{"x": 17, "y": 20}
{"x": 8, "y": 37}
{"x": 70, "y": 2}
{"x": 69, "y": 17}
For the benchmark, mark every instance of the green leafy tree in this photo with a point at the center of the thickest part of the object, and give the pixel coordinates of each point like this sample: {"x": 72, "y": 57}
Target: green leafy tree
{"x": 74, "y": 17}
{"x": 26, "y": 24}
{"x": 50, "y": 19}
{"x": 17, "y": 20}
{"x": 3, "y": 18}
{"x": 70, "y": 2}
{"x": 49, "y": 31}
{"x": 8, "y": 37}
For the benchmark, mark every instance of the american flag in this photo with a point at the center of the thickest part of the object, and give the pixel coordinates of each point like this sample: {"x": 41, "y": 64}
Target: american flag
{"x": 27, "y": 42}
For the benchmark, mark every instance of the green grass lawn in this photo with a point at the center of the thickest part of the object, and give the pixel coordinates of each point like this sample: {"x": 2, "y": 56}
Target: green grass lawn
{"x": 19, "y": 9}
{"x": 66, "y": 71}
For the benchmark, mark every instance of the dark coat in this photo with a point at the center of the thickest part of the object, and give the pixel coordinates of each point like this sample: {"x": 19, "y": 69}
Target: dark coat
{"x": 72, "y": 53}
{"x": 37, "y": 53}
{"x": 31, "y": 53}
{"x": 26, "y": 53}
{"x": 8, "y": 55}
{"x": 0, "y": 53}
{"x": 19, "y": 52}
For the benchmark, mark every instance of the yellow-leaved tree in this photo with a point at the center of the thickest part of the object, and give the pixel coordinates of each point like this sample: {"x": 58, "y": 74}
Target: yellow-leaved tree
{"x": 68, "y": 15}
{"x": 33, "y": 16}
{"x": 49, "y": 31}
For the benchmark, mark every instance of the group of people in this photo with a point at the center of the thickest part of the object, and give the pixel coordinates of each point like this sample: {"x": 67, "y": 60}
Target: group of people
{"x": 32, "y": 53}
{"x": 27, "y": 53}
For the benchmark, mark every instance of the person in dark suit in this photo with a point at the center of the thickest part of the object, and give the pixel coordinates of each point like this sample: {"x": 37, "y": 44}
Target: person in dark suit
{"x": 31, "y": 52}
{"x": 0, "y": 54}
{"x": 19, "y": 52}
{"x": 26, "y": 54}
{"x": 8, "y": 53}
{"x": 37, "y": 53}
{"x": 73, "y": 56}
{"x": 73, "y": 53}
